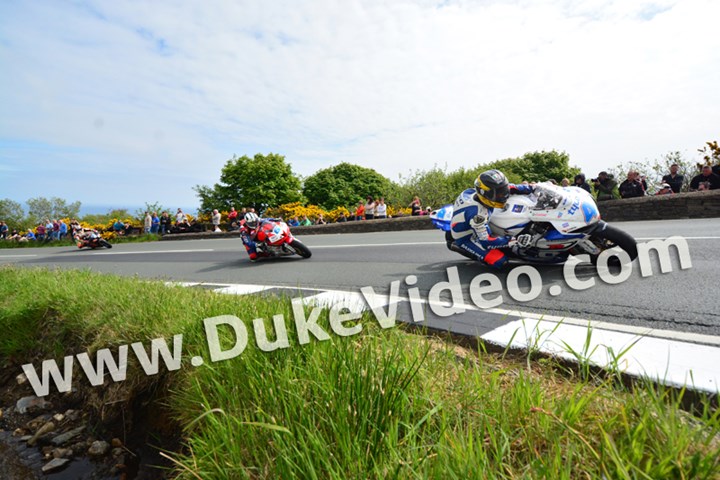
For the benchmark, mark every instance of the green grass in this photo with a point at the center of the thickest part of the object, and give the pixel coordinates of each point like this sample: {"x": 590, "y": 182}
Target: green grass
{"x": 67, "y": 242}
{"x": 380, "y": 404}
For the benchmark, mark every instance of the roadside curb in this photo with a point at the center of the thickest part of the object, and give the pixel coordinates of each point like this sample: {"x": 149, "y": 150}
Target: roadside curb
{"x": 676, "y": 359}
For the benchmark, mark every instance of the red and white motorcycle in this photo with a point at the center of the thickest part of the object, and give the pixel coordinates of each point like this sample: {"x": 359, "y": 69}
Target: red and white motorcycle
{"x": 273, "y": 238}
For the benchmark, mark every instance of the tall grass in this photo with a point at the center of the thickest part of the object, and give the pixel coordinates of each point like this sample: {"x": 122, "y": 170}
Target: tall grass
{"x": 380, "y": 404}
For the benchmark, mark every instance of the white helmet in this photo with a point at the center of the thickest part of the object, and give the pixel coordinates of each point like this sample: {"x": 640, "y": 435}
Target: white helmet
{"x": 251, "y": 220}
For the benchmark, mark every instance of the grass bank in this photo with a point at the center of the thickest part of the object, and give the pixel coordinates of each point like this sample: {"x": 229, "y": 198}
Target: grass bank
{"x": 67, "y": 242}
{"x": 381, "y": 403}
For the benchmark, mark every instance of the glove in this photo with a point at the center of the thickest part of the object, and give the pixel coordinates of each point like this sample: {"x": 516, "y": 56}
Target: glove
{"x": 524, "y": 240}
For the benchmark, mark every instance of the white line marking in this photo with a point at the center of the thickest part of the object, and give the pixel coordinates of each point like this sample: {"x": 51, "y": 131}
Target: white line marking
{"x": 16, "y": 256}
{"x": 686, "y": 238}
{"x": 377, "y": 245}
{"x": 155, "y": 251}
{"x": 667, "y": 361}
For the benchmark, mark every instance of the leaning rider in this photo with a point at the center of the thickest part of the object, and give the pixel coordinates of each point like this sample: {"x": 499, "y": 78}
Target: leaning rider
{"x": 248, "y": 233}
{"x": 471, "y": 215}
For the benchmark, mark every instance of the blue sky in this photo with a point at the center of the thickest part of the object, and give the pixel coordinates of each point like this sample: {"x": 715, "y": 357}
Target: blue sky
{"x": 134, "y": 101}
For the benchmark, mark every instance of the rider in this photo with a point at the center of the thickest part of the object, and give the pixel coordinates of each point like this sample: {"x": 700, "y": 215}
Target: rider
{"x": 471, "y": 213}
{"x": 249, "y": 232}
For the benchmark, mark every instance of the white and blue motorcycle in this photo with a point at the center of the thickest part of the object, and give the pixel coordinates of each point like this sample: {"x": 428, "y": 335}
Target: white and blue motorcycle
{"x": 563, "y": 221}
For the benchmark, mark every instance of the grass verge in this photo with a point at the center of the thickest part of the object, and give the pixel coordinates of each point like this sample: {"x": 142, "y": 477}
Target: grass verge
{"x": 379, "y": 404}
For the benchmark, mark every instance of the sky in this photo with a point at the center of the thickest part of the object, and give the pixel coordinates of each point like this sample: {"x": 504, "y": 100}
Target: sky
{"x": 127, "y": 102}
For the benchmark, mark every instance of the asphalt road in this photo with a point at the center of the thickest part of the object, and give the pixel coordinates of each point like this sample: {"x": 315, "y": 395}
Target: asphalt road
{"x": 680, "y": 300}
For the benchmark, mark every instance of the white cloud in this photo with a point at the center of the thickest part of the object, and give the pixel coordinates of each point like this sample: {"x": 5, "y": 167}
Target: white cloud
{"x": 179, "y": 88}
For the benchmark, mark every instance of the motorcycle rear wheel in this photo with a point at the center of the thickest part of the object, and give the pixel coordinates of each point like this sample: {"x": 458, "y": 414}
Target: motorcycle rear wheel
{"x": 608, "y": 237}
{"x": 300, "y": 248}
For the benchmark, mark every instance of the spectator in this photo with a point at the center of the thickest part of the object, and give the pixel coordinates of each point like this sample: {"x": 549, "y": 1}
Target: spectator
{"x": 232, "y": 216}
{"x": 341, "y": 218}
{"x": 369, "y": 209}
{"x": 565, "y": 182}
{"x": 415, "y": 205}
{"x": 155, "y": 223}
{"x": 305, "y": 221}
{"x": 360, "y": 211}
{"x": 320, "y": 220}
{"x": 665, "y": 189}
{"x": 164, "y": 223}
{"x": 216, "y": 217}
{"x": 605, "y": 187}
{"x": 381, "y": 209}
{"x": 180, "y": 217}
{"x": 674, "y": 179}
{"x": 127, "y": 228}
{"x": 28, "y": 236}
{"x": 63, "y": 230}
{"x": 14, "y": 235}
{"x": 147, "y": 223}
{"x": 707, "y": 180}
{"x": 632, "y": 187}
{"x": 3, "y": 230}
{"x": 118, "y": 227}
{"x": 55, "y": 230}
{"x": 294, "y": 222}
{"x": 581, "y": 183}
{"x": 41, "y": 231}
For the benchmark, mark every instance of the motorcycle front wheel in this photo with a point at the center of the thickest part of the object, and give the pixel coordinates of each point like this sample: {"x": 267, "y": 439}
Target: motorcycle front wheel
{"x": 105, "y": 243}
{"x": 607, "y": 237}
{"x": 300, "y": 248}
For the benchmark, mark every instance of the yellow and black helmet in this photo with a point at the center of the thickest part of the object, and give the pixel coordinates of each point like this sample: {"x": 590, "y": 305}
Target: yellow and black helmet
{"x": 492, "y": 188}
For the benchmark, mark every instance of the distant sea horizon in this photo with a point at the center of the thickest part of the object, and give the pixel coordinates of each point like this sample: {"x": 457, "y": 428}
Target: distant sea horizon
{"x": 94, "y": 209}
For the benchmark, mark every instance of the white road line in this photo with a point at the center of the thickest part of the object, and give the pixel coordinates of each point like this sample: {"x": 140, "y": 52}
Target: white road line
{"x": 377, "y": 245}
{"x": 667, "y": 361}
{"x": 686, "y": 238}
{"x": 16, "y": 256}
{"x": 155, "y": 251}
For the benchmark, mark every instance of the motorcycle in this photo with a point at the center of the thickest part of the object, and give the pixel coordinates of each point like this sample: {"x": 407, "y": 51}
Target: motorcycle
{"x": 563, "y": 221}
{"x": 274, "y": 239}
{"x": 91, "y": 239}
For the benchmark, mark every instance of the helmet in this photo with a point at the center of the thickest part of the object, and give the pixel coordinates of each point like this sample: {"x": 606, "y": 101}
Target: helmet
{"x": 492, "y": 188}
{"x": 251, "y": 220}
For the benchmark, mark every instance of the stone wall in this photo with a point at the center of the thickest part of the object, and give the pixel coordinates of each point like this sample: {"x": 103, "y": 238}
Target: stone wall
{"x": 663, "y": 207}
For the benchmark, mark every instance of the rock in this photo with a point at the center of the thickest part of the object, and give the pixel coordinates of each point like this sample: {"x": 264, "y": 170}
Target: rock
{"x": 21, "y": 379}
{"x": 54, "y": 464}
{"x": 61, "y": 440}
{"x": 117, "y": 452}
{"x": 47, "y": 428}
{"x": 25, "y": 438}
{"x": 32, "y": 404}
{"x": 37, "y": 422}
{"x": 98, "y": 448}
{"x": 19, "y": 432}
{"x": 62, "y": 453}
{"x": 1, "y": 413}
{"x": 72, "y": 415}
{"x": 116, "y": 442}
{"x": 58, "y": 417}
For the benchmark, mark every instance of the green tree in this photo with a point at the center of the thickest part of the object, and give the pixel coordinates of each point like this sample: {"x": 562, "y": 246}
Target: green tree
{"x": 536, "y": 167}
{"x": 41, "y": 208}
{"x": 654, "y": 170}
{"x": 149, "y": 207}
{"x": 11, "y": 212}
{"x": 260, "y": 182}
{"x": 344, "y": 185}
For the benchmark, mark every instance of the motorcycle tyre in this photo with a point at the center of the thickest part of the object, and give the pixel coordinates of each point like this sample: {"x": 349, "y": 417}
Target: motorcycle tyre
{"x": 617, "y": 238}
{"x": 105, "y": 243}
{"x": 301, "y": 249}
